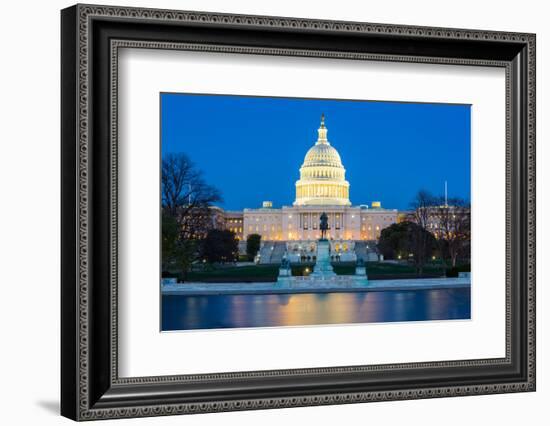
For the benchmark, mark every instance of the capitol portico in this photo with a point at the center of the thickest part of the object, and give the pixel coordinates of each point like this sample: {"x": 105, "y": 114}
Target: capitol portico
{"x": 321, "y": 187}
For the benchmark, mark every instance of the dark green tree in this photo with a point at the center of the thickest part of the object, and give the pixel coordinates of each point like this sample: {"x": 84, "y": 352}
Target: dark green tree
{"x": 220, "y": 246}
{"x": 170, "y": 235}
{"x": 178, "y": 254}
{"x": 187, "y": 252}
{"x": 253, "y": 245}
{"x": 394, "y": 241}
{"x": 407, "y": 240}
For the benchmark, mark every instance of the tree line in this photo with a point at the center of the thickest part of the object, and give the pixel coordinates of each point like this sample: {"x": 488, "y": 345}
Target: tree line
{"x": 435, "y": 227}
{"x": 190, "y": 231}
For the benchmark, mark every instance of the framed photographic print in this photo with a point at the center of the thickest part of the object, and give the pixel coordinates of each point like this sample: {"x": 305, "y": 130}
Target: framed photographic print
{"x": 263, "y": 212}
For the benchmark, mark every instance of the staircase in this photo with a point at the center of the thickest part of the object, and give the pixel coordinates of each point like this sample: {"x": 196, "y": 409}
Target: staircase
{"x": 272, "y": 252}
{"x": 278, "y": 252}
{"x": 265, "y": 253}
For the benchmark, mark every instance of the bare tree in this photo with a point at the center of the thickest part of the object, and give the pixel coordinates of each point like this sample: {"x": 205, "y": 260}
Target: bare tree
{"x": 177, "y": 175}
{"x": 186, "y": 209}
{"x": 422, "y": 204}
{"x": 186, "y": 196}
{"x": 452, "y": 224}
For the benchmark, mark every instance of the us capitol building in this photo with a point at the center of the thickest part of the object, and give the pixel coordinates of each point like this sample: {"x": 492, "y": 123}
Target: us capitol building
{"x": 322, "y": 187}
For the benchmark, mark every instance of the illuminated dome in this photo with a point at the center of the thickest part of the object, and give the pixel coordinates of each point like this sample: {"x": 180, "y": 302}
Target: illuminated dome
{"x": 322, "y": 176}
{"x": 322, "y": 154}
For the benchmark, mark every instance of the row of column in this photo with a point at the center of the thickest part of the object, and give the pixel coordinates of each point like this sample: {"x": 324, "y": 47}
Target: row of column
{"x": 311, "y": 220}
{"x": 333, "y": 174}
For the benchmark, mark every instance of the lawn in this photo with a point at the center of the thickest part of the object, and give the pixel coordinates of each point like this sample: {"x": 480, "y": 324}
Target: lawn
{"x": 267, "y": 273}
{"x": 253, "y": 273}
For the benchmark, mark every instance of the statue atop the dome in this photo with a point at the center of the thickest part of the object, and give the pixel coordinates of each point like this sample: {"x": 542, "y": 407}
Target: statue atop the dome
{"x": 323, "y": 119}
{"x": 323, "y": 225}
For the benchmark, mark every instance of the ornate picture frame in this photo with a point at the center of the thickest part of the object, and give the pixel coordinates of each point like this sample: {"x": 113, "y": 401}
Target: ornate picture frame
{"x": 90, "y": 39}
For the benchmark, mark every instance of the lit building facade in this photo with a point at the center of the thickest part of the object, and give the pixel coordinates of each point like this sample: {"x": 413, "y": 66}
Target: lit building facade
{"x": 302, "y": 223}
{"x": 234, "y": 222}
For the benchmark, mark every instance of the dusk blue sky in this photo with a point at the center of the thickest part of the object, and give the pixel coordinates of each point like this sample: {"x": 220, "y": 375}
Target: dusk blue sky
{"x": 251, "y": 148}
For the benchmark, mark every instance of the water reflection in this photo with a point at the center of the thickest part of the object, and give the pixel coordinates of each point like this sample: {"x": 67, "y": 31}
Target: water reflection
{"x": 272, "y": 310}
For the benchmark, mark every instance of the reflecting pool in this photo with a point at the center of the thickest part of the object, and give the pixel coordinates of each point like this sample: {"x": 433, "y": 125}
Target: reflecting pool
{"x": 181, "y": 312}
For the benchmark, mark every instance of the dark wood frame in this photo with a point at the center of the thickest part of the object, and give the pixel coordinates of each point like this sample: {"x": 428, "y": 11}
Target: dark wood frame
{"x": 90, "y": 386}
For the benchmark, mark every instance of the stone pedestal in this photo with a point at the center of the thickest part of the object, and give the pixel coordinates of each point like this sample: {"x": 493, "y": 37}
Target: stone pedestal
{"x": 323, "y": 268}
{"x": 285, "y": 272}
{"x": 361, "y": 271}
{"x": 323, "y": 276}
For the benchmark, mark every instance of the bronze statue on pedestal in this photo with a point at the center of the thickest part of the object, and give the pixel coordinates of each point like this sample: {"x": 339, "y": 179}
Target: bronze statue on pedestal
{"x": 323, "y": 225}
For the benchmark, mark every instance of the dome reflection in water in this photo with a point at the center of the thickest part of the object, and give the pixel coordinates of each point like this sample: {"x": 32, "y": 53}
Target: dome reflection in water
{"x": 276, "y": 310}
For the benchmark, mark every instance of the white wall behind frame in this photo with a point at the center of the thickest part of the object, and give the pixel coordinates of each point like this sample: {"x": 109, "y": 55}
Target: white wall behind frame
{"x": 142, "y": 346}
{"x": 30, "y": 88}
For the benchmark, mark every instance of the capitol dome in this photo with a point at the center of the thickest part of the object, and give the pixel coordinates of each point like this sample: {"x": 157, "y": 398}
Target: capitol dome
{"x": 322, "y": 175}
{"x": 322, "y": 154}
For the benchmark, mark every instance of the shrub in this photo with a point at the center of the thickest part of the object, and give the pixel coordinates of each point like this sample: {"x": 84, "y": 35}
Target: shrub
{"x": 253, "y": 245}
{"x": 451, "y": 272}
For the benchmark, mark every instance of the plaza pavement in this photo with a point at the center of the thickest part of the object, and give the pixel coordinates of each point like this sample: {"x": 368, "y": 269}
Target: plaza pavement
{"x": 311, "y": 286}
